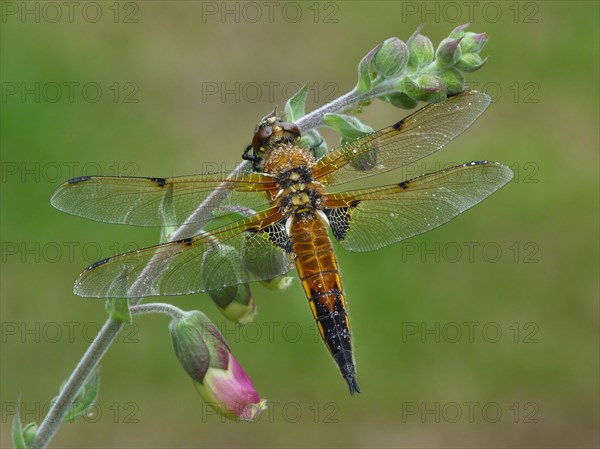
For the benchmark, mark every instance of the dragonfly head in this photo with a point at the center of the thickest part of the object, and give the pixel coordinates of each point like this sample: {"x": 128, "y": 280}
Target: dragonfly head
{"x": 273, "y": 131}
{"x": 268, "y": 135}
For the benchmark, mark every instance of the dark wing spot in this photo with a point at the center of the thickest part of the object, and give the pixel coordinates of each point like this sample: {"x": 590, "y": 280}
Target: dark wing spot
{"x": 160, "y": 182}
{"x": 398, "y": 126}
{"x": 339, "y": 220}
{"x": 278, "y": 236}
{"x": 79, "y": 179}
{"x": 187, "y": 241}
{"x": 97, "y": 264}
{"x": 403, "y": 185}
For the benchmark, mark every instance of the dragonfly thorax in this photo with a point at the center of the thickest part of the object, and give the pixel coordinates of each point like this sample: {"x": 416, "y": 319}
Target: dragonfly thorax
{"x": 286, "y": 158}
{"x": 300, "y": 198}
{"x": 298, "y": 191}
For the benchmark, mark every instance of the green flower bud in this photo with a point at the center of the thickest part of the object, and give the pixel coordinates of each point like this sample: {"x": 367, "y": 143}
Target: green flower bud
{"x": 459, "y": 31}
{"x": 400, "y": 100}
{"x": 407, "y": 85}
{"x": 430, "y": 88}
{"x": 235, "y": 303}
{"x": 264, "y": 261}
{"x": 313, "y": 140}
{"x": 473, "y": 42}
{"x": 426, "y": 87}
{"x": 421, "y": 52}
{"x": 223, "y": 276}
{"x": 448, "y": 52}
{"x": 453, "y": 79}
{"x": 351, "y": 128}
{"x": 280, "y": 282}
{"x": 470, "y": 62}
{"x": 391, "y": 59}
{"x": 365, "y": 161}
{"x": 198, "y": 345}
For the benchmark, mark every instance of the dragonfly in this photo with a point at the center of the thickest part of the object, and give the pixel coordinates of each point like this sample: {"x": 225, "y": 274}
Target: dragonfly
{"x": 280, "y": 214}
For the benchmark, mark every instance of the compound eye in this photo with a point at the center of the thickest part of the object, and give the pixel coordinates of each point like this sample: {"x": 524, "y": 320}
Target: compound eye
{"x": 260, "y": 136}
{"x": 291, "y": 128}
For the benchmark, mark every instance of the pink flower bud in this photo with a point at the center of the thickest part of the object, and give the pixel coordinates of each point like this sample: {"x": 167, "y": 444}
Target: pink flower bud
{"x": 217, "y": 375}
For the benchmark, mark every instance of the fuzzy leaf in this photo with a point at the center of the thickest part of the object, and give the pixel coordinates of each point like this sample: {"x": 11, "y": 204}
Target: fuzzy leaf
{"x": 118, "y": 309}
{"x": 295, "y": 106}
{"x": 347, "y": 126}
{"x": 17, "y": 429}
{"x": 85, "y": 398}
{"x": 30, "y": 433}
{"x": 364, "y": 71}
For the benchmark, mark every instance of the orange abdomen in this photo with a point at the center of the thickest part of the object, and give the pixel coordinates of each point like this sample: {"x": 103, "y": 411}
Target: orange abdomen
{"x": 318, "y": 272}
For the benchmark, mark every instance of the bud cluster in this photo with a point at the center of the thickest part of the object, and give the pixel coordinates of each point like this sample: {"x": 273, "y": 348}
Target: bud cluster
{"x": 401, "y": 74}
{"x": 420, "y": 72}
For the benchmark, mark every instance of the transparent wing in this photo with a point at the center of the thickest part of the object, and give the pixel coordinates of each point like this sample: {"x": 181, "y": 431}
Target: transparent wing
{"x": 158, "y": 201}
{"x": 234, "y": 254}
{"x": 416, "y": 136}
{"x": 370, "y": 219}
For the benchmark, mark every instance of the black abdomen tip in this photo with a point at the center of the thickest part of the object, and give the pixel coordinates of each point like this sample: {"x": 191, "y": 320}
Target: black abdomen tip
{"x": 352, "y": 384}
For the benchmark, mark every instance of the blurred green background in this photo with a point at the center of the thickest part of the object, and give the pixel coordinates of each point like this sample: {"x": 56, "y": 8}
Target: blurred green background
{"x": 168, "y": 88}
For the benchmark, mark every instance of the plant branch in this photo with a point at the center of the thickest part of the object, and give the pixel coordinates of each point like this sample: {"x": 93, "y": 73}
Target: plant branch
{"x": 84, "y": 368}
{"x": 158, "y": 307}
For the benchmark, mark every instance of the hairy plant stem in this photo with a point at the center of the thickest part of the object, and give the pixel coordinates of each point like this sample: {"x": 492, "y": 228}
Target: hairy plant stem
{"x": 158, "y": 307}
{"x": 112, "y": 327}
{"x": 84, "y": 368}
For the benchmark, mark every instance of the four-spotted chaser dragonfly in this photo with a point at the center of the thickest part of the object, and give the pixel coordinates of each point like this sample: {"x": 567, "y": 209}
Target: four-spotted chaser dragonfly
{"x": 279, "y": 213}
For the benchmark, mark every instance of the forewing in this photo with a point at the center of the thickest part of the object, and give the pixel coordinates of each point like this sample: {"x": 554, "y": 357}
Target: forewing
{"x": 205, "y": 262}
{"x": 416, "y": 136}
{"x": 158, "y": 201}
{"x": 370, "y": 219}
